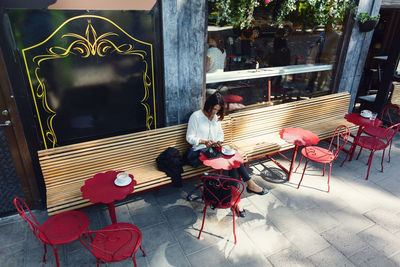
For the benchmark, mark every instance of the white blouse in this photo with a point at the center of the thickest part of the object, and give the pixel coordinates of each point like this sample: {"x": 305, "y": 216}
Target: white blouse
{"x": 201, "y": 128}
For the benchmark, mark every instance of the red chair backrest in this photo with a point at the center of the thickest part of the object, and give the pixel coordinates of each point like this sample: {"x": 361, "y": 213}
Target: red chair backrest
{"x": 342, "y": 132}
{"x": 389, "y": 133}
{"x": 220, "y": 191}
{"x": 391, "y": 114}
{"x": 27, "y": 216}
{"x": 111, "y": 245}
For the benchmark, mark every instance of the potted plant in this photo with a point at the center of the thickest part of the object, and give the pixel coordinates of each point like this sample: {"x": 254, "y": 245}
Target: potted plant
{"x": 366, "y": 22}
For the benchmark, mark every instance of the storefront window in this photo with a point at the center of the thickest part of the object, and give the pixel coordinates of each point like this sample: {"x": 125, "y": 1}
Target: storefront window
{"x": 268, "y": 63}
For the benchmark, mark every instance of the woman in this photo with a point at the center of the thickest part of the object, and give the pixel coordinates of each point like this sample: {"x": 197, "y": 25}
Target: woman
{"x": 216, "y": 55}
{"x": 204, "y": 131}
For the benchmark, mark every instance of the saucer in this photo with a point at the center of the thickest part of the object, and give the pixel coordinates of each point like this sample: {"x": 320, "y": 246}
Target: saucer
{"x": 123, "y": 182}
{"x": 365, "y": 113}
{"x": 228, "y": 152}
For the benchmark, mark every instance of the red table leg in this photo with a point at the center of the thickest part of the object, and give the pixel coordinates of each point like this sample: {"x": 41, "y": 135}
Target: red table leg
{"x": 292, "y": 163}
{"x": 354, "y": 145}
{"x": 111, "y": 210}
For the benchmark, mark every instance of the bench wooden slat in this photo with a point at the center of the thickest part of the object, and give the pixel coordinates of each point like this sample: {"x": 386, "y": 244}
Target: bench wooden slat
{"x": 254, "y": 132}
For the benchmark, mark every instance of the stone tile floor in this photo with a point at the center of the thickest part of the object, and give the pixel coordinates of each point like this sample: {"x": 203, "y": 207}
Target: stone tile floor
{"x": 356, "y": 224}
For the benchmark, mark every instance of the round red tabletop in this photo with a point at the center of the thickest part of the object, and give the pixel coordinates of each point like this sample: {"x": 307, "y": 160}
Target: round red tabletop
{"x": 101, "y": 188}
{"x": 299, "y": 136}
{"x": 232, "y": 98}
{"x": 357, "y": 119}
{"x": 224, "y": 162}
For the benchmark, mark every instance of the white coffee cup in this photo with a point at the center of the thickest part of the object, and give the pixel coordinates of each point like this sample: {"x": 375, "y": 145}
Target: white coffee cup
{"x": 122, "y": 176}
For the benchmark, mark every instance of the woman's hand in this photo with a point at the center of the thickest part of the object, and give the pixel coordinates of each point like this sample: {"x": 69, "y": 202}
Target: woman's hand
{"x": 208, "y": 143}
{"x": 218, "y": 144}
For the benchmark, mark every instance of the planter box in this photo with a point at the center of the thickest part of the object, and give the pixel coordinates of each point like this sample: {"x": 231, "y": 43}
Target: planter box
{"x": 367, "y": 26}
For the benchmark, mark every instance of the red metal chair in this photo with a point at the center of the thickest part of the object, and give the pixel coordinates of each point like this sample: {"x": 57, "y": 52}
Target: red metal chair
{"x": 220, "y": 192}
{"x": 325, "y": 156}
{"x": 114, "y": 243}
{"x": 390, "y": 115}
{"x": 375, "y": 143}
{"x": 60, "y": 229}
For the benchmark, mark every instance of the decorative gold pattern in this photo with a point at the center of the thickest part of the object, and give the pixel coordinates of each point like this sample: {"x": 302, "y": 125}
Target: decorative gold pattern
{"x": 85, "y": 46}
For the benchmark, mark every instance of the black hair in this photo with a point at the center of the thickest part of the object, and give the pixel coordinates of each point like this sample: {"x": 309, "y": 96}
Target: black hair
{"x": 213, "y": 100}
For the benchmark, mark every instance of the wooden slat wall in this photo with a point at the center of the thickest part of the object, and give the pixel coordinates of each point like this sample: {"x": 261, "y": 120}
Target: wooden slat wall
{"x": 66, "y": 168}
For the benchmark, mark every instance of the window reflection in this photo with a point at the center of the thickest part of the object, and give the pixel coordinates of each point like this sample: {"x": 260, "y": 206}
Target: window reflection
{"x": 265, "y": 45}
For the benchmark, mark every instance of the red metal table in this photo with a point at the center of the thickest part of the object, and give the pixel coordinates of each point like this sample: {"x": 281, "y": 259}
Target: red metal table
{"x": 362, "y": 122}
{"x": 101, "y": 189}
{"x": 223, "y": 162}
{"x": 298, "y": 137}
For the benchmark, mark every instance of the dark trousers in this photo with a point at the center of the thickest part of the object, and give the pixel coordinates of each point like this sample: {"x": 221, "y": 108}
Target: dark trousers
{"x": 239, "y": 172}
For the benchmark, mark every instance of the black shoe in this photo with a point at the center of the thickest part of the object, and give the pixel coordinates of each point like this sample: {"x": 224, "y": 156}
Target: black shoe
{"x": 262, "y": 192}
{"x": 240, "y": 213}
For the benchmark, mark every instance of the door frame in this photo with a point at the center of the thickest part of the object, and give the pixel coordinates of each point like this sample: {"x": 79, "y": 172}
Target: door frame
{"x": 17, "y": 141}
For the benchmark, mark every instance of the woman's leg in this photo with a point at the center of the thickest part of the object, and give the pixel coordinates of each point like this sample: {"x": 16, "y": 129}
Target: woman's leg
{"x": 247, "y": 179}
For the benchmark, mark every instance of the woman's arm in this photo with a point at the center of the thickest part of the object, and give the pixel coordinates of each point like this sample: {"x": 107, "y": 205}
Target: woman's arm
{"x": 208, "y": 63}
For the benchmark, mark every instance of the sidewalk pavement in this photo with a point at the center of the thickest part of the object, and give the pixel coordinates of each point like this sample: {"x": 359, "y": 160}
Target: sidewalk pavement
{"x": 356, "y": 224}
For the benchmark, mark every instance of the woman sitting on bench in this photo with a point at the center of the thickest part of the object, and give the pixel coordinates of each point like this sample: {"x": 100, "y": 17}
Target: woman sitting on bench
{"x": 205, "y": 131}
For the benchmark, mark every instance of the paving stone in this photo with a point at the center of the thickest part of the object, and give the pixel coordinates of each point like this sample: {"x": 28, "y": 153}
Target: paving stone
{"x": 170, "y": 197}
{"x": 306, "y": 240}
{"x": 13, "y": 233}
{"x": 381, "y": 239}
{"x": 147, "y": 215}
{"x": 243, "y": 252}
{"x": 344, "y": 241}
{"x": 369, "y": 256}
{"x": 351, "y": 220}
{"x": 180, "y": 216}
{"x": 167, "y": 256}
{"x": 290, "y": 257}
{"x": 123, "y": 215}
{"x": 330, "y": 257}
{"x": 156, "y": 236}
{"x": 385, "y": 218}
{"x": 12, "y": 255}
{"x": 210, "y": 257}
{"x": 396, "y": 259}
{"x": 268, "y": 239}
{"x": 285, "y": 219}
{"x": 317, "y": 219}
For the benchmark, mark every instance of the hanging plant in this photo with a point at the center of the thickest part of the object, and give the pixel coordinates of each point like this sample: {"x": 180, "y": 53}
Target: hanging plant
{"x": 239, "y": 13}
{"x": 366, "y": 22}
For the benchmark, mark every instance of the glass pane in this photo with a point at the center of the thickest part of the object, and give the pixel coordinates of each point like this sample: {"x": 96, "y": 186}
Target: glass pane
{"x": 268, "y": 62}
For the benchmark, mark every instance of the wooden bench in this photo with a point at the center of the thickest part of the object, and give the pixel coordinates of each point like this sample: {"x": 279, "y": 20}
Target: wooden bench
{"x": 66, "y": 168}
{"x": 255, "y": 132}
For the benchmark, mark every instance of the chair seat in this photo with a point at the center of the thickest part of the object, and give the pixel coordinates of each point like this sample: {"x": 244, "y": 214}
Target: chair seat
{"x": 318, "y": 154}
{"x": 119, "y": 245}
{"x": 376, "y": 131}
{"x": 64, "y": 228}
{"x": 370, "y": 142}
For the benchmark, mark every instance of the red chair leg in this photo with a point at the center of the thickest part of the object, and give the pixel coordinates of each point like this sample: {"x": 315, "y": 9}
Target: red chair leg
{"x": 97, "y": 261}
{"x": 144, "y": 254}
{"x": 359, "y": 153}
{"x": 390, "y": 148}
{"x": 329, "y": 176}
{"x": 204, "y": 217}
{"x": 369, "y": 163}
{"x": 304, "y": 170}
{"x": 45, "y": 251}
{"x": 299, "y": 163}
{"x": 347, "y": 155}
{"x": 56, "y": 255}
{"x": 134, "y": 260}
{"x": 234, "y": 232}
{"x": 383, "y": 155}
{"x": 323, "y": 170}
